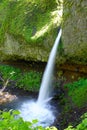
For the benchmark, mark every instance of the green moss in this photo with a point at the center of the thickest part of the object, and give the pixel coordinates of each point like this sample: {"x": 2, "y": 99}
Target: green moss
{"x": 26, "y": 20}
{"x": 3, "y": 14}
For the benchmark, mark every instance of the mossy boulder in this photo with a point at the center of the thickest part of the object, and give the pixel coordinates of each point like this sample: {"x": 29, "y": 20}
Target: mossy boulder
{"x": 74, "y": 31}
{"x": 28, "y": 28}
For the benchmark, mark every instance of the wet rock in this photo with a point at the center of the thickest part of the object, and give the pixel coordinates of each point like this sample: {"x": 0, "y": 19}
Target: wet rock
{"x": 6, "y": 97}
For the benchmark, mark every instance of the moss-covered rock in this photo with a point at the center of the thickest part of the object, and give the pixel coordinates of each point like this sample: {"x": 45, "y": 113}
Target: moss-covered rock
{"x": 74, "y": 31}
{"x": 28, "y": 28}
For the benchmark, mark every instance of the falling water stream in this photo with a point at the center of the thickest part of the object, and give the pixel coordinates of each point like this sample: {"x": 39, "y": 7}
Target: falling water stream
{"x": 41, "y": 109}
{"x": 46, "y": 89}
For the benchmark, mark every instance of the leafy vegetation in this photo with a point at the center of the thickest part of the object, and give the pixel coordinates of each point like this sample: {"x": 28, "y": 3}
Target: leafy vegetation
{"x": 78, "y": 92}
{"x": 5, "y": 82}
{"x": 80, "y": 126}
{"x": 26, "y": 80}
{"x": 5, "y": 71}
{"x": 30, "y": 81}
{"x": 10, "y": 121}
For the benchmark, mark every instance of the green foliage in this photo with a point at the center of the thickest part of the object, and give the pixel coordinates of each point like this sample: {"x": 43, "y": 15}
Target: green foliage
{"x": 30, "y": 81}
{"x": 10, "y": 121}
{"x": 78, "y": 92}
{"x": 26, "y": 80}
{"x": 80, "y": 126}
{"x": 6, "y": 70}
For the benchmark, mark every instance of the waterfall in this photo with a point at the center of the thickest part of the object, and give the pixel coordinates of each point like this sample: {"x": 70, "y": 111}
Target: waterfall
{"x": 45, "y": 89}
{"x": 41, "y": 109}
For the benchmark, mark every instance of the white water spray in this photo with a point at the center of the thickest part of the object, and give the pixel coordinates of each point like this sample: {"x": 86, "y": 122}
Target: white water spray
{"x": 45, "y": 89}
{"x": 41, "y": 109}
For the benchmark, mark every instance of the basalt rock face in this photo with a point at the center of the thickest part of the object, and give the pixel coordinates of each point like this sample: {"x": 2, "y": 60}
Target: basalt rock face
{"x": 13, "y": 50}
{"x": 28, "y": 29}
{"x": 74, "y": 31}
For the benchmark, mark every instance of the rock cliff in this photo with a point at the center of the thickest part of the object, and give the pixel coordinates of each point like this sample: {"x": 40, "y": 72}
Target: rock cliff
{"x": 28, "y": 28}
{"x": 74, "y": 31}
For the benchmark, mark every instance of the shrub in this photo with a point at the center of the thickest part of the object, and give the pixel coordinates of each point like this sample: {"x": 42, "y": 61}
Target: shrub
{"x": 30, "y": 81}
{"x": 10, "y": 121}
{"x": 5, "y": 71}
{"x": 78, "y": 92}
{"x": 25, "y": 80}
